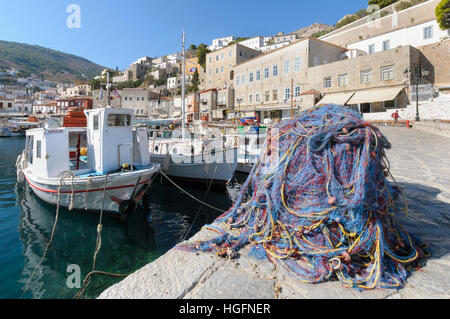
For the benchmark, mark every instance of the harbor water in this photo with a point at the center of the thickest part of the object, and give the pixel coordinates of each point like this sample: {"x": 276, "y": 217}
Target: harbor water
{"x": 26, "y": 223}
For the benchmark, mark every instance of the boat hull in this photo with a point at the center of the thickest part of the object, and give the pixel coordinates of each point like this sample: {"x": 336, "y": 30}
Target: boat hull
{"x": 200, "y": 172}
{"x": 88, "y": 191}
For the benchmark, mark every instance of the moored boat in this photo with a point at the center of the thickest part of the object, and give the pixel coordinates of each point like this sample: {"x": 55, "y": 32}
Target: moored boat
{"x": 104, "y": 166}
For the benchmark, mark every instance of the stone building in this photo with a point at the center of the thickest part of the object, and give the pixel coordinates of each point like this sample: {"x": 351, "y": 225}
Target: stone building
{"x": 137, "y": 99}
{"x": 271, "y": 85}
{"x": 219, "y": 64}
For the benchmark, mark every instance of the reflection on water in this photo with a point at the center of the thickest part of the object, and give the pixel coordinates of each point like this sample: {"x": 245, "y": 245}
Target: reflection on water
{"x": 26, "y": 223}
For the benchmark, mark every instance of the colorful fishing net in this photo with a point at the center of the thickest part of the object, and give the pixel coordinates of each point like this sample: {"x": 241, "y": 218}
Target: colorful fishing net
{"x": 318, "y": 203}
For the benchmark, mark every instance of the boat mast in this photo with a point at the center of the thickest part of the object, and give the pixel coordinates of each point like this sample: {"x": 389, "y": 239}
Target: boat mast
{"x": 108, "y": 88}
{"x": 183, "y": 93}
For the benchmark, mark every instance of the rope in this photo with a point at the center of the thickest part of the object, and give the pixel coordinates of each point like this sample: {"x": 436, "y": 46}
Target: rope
{"x": 191, "y": 196}
{"x": 98, "y": 245}
{"x": 198, "y": 211}
{"x": 319, "y": 205}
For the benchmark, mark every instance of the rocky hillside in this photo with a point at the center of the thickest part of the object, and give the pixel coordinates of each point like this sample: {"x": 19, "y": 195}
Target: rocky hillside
{"x": 50, "y": 64}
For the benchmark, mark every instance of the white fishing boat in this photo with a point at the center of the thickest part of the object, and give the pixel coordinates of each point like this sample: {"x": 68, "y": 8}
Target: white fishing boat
{"x": 251, "y": 142}
{"x": 189, "y": 157}
{"x": 201, "y": 161}
{"x": 5, "y": 130}
{"x": 104, "y": 166}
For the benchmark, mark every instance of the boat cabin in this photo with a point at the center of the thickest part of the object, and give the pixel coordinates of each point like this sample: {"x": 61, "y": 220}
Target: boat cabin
{"x": 108, "y": 144}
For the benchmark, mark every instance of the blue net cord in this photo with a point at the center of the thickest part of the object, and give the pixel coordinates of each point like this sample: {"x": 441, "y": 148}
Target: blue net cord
{"x": 318, "y": 204}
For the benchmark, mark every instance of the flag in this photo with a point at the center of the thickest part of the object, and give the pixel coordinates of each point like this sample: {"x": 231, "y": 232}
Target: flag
{"x": 101, "y": 93}
{"x": 159, "y": 98}
{"x": 117, "y": 93}
{"x": 193, "y": 69}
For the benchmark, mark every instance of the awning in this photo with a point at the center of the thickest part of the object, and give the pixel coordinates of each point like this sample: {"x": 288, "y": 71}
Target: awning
{"x": 378, "y": 95}
{"x": 336, "y": 98}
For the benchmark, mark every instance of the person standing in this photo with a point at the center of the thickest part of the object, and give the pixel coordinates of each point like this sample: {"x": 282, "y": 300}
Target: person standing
{"x": 395, "y": 116}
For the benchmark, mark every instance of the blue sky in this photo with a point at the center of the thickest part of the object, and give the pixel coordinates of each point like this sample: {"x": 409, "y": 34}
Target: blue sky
{"x": 116, "y": 33}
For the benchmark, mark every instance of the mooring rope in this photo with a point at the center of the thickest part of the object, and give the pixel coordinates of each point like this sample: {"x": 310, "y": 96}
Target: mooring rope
{"x": 98, "y": 245}
{"x": 191, "y": 196}
{"x": 198, "y": 211}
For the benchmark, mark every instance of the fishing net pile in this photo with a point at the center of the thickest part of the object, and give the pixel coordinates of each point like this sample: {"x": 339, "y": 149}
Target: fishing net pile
{"x": 319, "y": 204}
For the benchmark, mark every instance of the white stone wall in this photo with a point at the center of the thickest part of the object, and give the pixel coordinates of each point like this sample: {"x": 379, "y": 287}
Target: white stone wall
{"x": 434, "y": 109}
{"x": 413, "y": 36}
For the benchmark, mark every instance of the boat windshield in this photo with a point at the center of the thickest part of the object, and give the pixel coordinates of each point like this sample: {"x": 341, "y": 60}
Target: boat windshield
{"x": 119, "y": 120}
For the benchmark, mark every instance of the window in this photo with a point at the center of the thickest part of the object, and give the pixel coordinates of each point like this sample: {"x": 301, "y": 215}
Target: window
{"x": 287, "y": 93}
{"x": 243, "y": 78}
{"x": 95, "y": 122}
{"x": 343, "y": 80}
{"x": 217, "y": 70}
{"x": 316, "y": 60}
{"x": 266, "y": 73}
{"x": 221, "y": 69}
{"x": 258, "y": 75}
{"x": 240, "y": 53}
{"x": 250, "y": 77}
{"x": 137, "y": 98}
{"x": 267, "y": 96}
{"x": 428, "y": 32}
{"x": 257, "y": 97}
{"x": 275, "y": 95}
{"x": 275, "y": 70}
{"x": 222, "y": 56}
{"x": 38, "y": 149}
{"x": 237, "y": 80}
{"x": 387, "y": 73}
{"x": 250, "y": 98}
{"x": 217, "y": 58}
{"x": 210, "y": 59}
{"x": 287, "y": 66}
{"x": 327, "y": 82}
{"x": 230, "y": 53}
{"x": 119, "y": 120}
{"x": 371, "y": 48}
{"x": 386, "y": 45}
{"x": 126, "y": 98}
{"x": 298, "y": 64}
{"x": 297, "y": 91}
{"x": 366, "y": 76}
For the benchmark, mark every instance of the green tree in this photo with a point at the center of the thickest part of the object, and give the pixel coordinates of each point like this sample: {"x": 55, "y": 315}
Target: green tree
{"x": 202, "y": 51}
{"x": 192, "y": 47}
{"x": 382, "y": 3}
{"x": 95, "y": 84}
{"x": 195, "y": 81}
{"x": 443, "y": 14}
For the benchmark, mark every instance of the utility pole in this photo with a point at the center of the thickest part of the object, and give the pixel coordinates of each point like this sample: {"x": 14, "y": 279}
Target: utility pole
{"x": 418, "y": 76}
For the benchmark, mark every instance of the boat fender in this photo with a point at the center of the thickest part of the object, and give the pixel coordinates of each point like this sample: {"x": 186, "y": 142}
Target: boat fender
{"x": 127, "y": 206}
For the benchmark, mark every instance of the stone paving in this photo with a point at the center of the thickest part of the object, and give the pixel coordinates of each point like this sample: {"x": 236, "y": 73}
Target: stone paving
{"x": 420, "y": 162}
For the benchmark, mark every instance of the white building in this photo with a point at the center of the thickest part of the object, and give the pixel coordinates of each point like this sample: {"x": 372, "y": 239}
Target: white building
{"x": 255, "y": 43}
{"x": 176, "y": 81}
{"x": 23, "y": 105}
{"x": 274, "y": 46}
{"x": 144, "y": 60}
{"x": 416, "y": 36}
{"x": 221, "y": 42}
